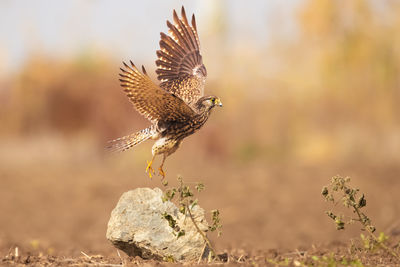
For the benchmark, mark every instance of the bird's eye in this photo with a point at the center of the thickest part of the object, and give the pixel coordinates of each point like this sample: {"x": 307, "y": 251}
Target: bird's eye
{"x": 213, "y": 100}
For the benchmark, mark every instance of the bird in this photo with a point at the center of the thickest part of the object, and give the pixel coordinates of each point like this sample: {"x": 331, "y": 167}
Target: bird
{"x": 177, "y": 107}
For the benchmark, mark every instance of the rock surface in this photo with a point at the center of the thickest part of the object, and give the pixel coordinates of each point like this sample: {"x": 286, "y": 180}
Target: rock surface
{"x": 139, "y": 228}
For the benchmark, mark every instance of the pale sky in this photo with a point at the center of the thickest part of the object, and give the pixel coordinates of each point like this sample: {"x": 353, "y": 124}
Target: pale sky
{"x": 123, "y": 28}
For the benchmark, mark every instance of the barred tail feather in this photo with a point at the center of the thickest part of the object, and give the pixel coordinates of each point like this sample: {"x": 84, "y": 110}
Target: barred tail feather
{"x": 126, "y": 142}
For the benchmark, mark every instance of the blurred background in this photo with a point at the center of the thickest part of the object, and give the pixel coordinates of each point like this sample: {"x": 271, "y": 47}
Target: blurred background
{"x": 310, "y": 89}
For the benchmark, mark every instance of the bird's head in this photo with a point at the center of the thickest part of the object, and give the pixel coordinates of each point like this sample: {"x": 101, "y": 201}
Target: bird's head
{"x": 208, "y": 102}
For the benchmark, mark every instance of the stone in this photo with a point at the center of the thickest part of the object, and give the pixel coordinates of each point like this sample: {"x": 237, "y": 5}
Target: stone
{"x": 140, "y": 225}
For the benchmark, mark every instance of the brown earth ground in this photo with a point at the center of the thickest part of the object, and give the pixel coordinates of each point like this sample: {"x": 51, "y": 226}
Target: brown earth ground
{"x": 57, "y": 195}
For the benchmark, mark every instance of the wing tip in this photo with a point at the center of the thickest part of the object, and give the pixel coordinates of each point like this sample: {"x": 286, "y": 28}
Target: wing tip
{"x": 169, "y": 25}
{"x": 144, "y": 70}
{"x": 194, "y": 22}
{"x": 175, "y": 16}
{"x": 183, "y": 14}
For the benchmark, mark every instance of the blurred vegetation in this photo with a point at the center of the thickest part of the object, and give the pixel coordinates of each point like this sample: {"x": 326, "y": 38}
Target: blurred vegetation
{"x": 65, "y": 97}
{"x": 328, "y": 93}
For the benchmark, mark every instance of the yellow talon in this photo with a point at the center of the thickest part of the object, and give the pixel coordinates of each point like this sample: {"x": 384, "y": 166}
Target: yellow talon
{"x": 162, "y": 173}
{"x": 149, "y": 168}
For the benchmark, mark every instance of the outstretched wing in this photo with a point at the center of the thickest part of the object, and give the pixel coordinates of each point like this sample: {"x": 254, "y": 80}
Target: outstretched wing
{"x": 180, "y": 65}
{"x": 150, "y": 100}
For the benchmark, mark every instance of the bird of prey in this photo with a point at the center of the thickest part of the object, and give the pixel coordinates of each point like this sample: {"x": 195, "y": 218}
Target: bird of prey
{"x": 177, "y": 106}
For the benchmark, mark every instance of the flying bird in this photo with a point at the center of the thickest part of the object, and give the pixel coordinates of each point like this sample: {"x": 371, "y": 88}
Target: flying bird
{"x": 177, "y": 106}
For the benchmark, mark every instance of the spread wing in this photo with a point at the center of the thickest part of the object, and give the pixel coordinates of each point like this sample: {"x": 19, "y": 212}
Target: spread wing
{"x": 180, "y": 65}
{"x": 150, "y": 100}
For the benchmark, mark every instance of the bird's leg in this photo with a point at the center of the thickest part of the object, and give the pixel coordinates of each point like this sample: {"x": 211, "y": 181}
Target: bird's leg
{"x": 149, "y": 168}
{"x": 160, "y": 169}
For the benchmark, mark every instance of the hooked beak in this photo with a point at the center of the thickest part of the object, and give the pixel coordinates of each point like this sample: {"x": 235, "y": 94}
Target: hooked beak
{"x": 218, "y": 102}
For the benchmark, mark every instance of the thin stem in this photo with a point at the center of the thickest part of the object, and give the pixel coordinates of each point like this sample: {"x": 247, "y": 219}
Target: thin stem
{"x": 200, "y": 231}
{"x": 391, "y": 251}
{"x": 184, "y": 201}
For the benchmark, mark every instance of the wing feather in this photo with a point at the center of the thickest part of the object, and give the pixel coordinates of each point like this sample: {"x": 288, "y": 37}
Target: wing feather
{"x": 180, "y": 64}
{"x": 150, "y": 100}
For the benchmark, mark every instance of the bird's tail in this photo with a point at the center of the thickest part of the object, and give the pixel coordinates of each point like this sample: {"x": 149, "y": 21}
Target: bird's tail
{"x": 126, "y": 142}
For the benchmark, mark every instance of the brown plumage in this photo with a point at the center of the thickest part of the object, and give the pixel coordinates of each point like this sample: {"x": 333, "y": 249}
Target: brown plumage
{"x": 177, "y": 107}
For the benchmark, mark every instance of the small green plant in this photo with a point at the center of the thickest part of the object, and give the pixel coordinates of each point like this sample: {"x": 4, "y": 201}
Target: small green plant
{"x": 172, "y": 223}
{"x": 169, "y": 259}
{"x": 283, "y": 262}
{"x": 332, "y": 260}
{"x": 185, "y": 199}
{"x": 340, "y": 191}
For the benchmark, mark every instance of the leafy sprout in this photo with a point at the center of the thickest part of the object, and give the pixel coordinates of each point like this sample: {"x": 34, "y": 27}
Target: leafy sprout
{"x": 339, "y": 192}
{"x": 185, "y": 199}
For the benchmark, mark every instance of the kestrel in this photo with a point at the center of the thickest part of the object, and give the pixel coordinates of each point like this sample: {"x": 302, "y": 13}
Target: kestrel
{"x": 177, "y": 106}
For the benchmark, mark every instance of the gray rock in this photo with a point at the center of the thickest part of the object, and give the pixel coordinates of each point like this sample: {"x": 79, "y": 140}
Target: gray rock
{"x": 137, "y": 227}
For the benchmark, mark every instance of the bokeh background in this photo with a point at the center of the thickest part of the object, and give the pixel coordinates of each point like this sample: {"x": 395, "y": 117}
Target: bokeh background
{"x": 310, "y": 89}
